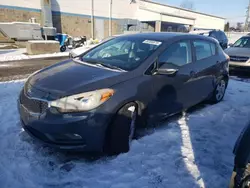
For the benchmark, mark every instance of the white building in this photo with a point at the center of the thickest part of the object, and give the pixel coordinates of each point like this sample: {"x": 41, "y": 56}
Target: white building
{"x": 74, "y": 17}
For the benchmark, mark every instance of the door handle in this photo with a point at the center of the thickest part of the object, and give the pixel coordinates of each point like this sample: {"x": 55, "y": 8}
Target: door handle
{"x": 193, "y": 74}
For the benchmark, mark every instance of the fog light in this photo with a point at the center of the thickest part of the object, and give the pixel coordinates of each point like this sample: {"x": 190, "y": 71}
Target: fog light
{"x": 64, "y": 137}
{"x": 74, "y": 136}
{"x": 54, "y": 110}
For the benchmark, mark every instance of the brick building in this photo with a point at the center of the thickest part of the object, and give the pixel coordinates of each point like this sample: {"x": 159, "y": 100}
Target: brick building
{"x": 74, "y": 17}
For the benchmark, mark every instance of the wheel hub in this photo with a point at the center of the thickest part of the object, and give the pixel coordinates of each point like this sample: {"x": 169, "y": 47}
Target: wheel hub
{"x": 220, "y": 90}
{"x": 132, "y": 125}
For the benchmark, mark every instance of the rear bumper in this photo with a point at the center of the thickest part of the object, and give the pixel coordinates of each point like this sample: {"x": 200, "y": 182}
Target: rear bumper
{"x": 81, "y": 132}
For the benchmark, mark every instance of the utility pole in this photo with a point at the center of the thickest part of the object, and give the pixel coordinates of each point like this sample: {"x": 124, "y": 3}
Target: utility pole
{"x": 92, "y": 20}
{"x": 110, "y": 17}
{"x": 247, "y": 17}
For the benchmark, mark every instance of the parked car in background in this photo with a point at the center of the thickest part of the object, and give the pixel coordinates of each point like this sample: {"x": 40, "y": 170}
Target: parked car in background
{"x": 219, "y": 35}
{"x": 97, "y": 101}
{"x": 239, "y": 54}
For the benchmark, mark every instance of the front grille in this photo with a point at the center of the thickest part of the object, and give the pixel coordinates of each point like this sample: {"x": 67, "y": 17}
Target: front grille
{"x": 33, "y": 105}
{"x": 239, "y": 59}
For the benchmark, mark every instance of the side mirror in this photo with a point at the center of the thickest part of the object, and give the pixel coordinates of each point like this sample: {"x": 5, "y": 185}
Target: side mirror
{"x": 230, "y": 45}
{"x": 167, "y": 69}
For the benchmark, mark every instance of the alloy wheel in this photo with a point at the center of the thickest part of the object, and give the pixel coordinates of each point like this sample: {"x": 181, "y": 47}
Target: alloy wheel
{"x": 220, "y": 90}
{"x": 132, "y": 124}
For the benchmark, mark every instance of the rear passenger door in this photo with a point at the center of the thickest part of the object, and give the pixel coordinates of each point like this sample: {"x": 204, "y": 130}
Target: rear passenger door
{"x": 206, "y": 66}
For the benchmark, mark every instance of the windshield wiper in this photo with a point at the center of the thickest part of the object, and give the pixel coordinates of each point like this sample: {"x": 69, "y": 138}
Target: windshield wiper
{"x": 110, "y": 66}
{"x": 100, "y": 64}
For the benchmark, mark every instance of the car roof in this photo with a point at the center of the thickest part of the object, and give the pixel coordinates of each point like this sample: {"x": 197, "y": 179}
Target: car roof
{"x": 246, "y": 36}
{"x": 166, "y": 36}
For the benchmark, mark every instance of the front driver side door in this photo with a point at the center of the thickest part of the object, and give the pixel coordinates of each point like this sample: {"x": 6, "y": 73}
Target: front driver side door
{"x": 173, "y": 93}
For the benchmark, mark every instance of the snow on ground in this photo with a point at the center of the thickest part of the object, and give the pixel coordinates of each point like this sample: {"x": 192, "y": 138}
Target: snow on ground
{"x": 191, "y": 150}
{"x": 12, "y": 52}
{"x": 240, "y": 78}
{"x": 19, "y": 54}
{"x": 7, "y": 51}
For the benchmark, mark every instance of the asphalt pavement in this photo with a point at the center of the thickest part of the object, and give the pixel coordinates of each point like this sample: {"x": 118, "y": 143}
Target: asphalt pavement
{"x": 14, "y": 70}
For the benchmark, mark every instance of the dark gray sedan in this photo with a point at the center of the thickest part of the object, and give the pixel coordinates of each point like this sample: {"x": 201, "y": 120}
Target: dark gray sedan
{"x": 97, "y": 101}
{"x": 239, "y": 54}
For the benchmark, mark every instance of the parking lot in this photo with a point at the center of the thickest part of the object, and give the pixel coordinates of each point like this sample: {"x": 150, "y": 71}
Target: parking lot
{"x": 192, "y": 149}
{"x": 141, "y": 94}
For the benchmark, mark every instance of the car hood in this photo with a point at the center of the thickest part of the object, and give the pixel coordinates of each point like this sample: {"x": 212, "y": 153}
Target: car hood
{"x": 69, "y": 77}
{"x": 235, "y": 51}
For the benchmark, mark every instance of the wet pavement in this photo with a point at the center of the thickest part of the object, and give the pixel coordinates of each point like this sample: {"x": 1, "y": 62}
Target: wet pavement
{"x": 22, "y": 69}
{"x": 6, "y": 51}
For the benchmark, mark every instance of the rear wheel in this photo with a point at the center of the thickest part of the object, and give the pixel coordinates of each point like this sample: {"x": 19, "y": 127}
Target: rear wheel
{"x": 122, "y": 130}
{"x": 219, "y": 91}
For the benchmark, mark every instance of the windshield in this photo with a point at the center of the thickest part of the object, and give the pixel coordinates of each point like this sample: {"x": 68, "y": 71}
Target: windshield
{"x": 243, "y": 42}
{"x": 125, "y": 53}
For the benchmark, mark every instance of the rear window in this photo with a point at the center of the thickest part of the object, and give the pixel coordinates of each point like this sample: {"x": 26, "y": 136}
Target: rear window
{"x": 215, "y": 35}
{"x": 224, "y": 36}
{"x": 219, "y": 35}
{"x": 204, "y": 49}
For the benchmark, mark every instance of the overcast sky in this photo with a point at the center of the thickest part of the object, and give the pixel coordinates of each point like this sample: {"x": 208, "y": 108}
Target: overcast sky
{"x": 233, "y": 10}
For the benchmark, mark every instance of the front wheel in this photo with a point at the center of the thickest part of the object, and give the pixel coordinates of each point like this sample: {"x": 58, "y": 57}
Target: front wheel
{"x": 240, "y": 181}
{"x": 219, "y": 91}
{"x": 122, "y": 130}
{"x": 246, "y": 182}
{"x": 63, "y": 48}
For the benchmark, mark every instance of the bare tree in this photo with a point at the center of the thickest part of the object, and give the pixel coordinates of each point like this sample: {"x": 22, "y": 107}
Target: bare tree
{"x": 187, "y": 4}
{"x": 239, "y": 26}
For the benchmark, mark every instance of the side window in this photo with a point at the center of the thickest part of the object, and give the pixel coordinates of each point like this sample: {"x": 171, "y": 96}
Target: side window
{"x": 204, "y": 49}
{"x": 213, "y": 48}
{"x": 178, "y": 54}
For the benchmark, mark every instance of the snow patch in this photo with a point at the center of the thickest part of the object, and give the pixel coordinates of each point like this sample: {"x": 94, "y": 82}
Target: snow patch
{"x": 43, "y": 41}
{"x": 194, "y": 150}
{"x": 18, "y": 55}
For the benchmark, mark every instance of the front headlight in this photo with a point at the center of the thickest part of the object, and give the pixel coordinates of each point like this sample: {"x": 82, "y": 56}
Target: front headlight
{"x": 82, "y": 102}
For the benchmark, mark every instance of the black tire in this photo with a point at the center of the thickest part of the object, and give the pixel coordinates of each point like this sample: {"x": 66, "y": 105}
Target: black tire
{"x": 121, "y": 131}
{"x": 216, "y": 97}
{"x": 245, "y": 182}
{"x": 63, "y": 48}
